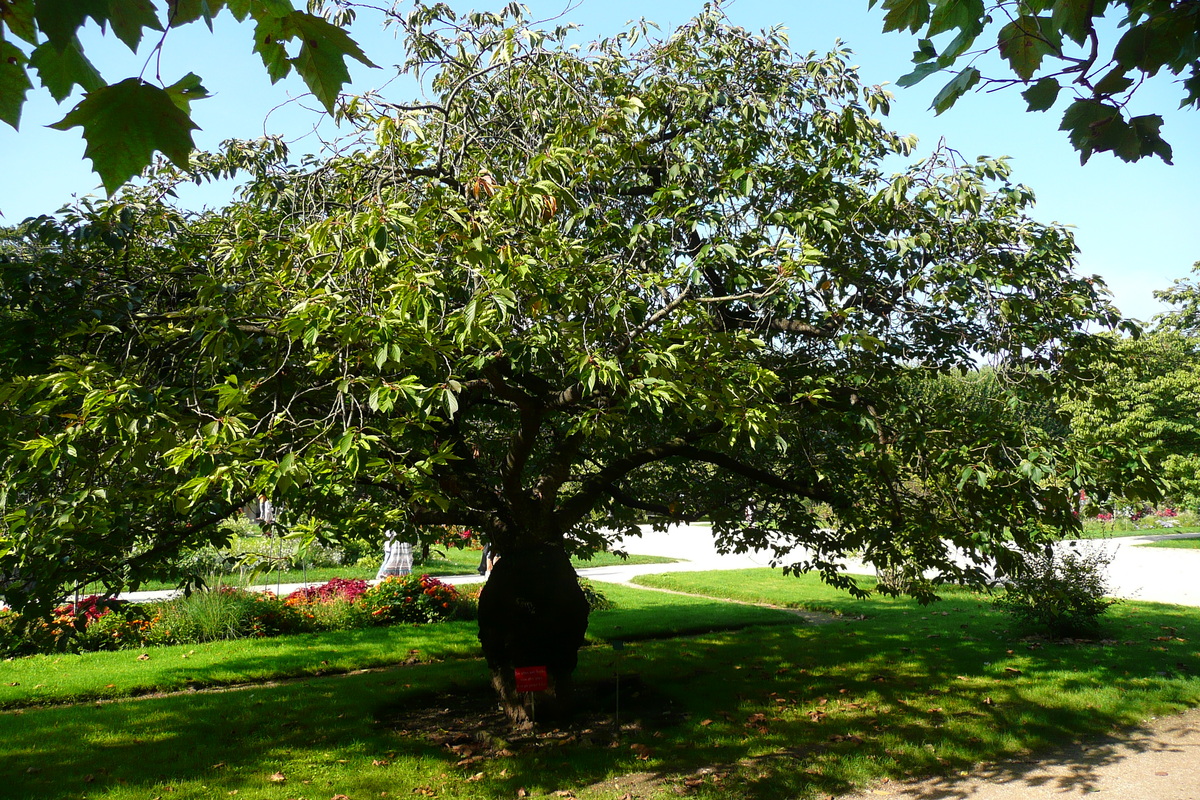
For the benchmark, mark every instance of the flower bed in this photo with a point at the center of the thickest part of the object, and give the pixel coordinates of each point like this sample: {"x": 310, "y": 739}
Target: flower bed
{"x": 227, "y": 613}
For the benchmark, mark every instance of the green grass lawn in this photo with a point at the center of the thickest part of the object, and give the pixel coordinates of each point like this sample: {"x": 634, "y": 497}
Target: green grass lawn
{"x": 1189, "y": 544}
{"x": 441, "y": 563}
{"x": 1126, "y": 528}
{"x": 61, "y": 678}
{"x": 888, "y": 689}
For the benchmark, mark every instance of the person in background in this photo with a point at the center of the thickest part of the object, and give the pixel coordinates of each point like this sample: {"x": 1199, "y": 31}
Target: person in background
{"x": 397, "y": 557}
{"x": 487, "y": 560}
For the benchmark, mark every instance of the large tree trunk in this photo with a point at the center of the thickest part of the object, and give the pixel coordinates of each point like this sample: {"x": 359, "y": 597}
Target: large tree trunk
{"x": 532, "y": 613}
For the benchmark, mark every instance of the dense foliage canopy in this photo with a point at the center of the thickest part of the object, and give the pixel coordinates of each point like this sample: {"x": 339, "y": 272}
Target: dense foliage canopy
{"x": 1144, "y": 408}
{"x": 568, "y": 291}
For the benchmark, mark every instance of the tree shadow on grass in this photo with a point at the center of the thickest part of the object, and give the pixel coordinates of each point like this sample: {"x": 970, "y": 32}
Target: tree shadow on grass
{"x": 1073, "y": 770}
{"x": 766, "y": 712}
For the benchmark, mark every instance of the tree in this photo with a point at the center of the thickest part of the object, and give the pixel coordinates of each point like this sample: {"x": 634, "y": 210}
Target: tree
{"x": 568, "y": 292}
{"x": 126, "y": 122}
{"x": 1144, "y": 408}
{"x": 1051, "y": 45}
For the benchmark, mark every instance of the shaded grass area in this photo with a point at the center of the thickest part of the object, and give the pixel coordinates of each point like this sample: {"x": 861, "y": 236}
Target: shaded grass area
{"x": 1186, "y": 544}
{"x": 441, "y": 563}
{"x": 782, "y": 711}
{"x": 91, "y": 676}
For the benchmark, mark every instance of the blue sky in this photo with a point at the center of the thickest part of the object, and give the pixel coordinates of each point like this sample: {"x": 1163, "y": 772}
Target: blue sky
{"x": 1136, "y": 224}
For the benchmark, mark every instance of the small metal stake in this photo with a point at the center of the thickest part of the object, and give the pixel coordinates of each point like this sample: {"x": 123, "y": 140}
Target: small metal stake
{"x": 618, "y": 646}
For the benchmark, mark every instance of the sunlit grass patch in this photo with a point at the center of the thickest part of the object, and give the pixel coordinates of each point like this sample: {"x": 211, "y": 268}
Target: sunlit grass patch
{"x": 889, "y": 689}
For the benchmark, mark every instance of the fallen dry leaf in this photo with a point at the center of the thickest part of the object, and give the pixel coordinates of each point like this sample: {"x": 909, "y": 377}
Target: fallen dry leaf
{"x": 478, "y": 776}
{"x": 278, "y": 777}
{"x": 144, "y": 657}
{"x": 379, "y": 762}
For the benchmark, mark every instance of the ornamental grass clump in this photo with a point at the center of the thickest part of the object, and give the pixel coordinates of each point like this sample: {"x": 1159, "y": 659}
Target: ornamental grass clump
{"x": 412, "y": 598}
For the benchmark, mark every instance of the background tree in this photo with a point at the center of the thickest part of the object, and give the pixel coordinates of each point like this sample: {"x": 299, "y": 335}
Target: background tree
{"x": 1052, "y": 45}
{"x": 1144, "y": 408}
{"x": 567, "y": 292}
{"x": 127, "y": 122}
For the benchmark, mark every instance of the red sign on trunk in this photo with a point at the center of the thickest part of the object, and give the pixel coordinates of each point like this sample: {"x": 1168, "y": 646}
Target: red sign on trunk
{"x": 531, "y": 679}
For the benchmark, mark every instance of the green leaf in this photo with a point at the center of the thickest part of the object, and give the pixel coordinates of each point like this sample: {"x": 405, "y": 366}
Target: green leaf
{"x": 919, "y": 74}
{"x": 1085, "y": 121}
{"x": 1024, "y": 42}
{"x": 1074, "y": 18}
{"x": 1042, "y": 94}
{"x": 61, "y": 70}
{"x": 60, "y": 19}
{"x": 17, "y": 16}
{"x": 1157, "y": 42}
{"x": 321, "y": 61}
{"x": 259, "y": 9}
{"x": 181, "y": 12}
{"x": 924, "y": 52}
{"x": 185, "y": 90}
{"x": 957, "y": 46}
{"x": 956, "y": 88}
{"x": 269, "y": 36}
{"x": 14, "y": 82}
{"x": 1146, "y": 128}
{"x": 955, "y": 14}
{"x": 1192, "y": 85}
{"x": 129, "y": 17}
{"x": 910, "y": 14}
{"x": 1115, "y": 82}
{"x": 124, "y": 124}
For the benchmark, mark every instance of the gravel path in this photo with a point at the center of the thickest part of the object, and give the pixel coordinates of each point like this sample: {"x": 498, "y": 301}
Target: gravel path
{"x": 1158, "y": 761}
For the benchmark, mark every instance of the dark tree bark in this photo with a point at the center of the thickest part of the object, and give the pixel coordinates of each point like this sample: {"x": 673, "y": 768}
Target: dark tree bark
{"x": 533, "y": 613}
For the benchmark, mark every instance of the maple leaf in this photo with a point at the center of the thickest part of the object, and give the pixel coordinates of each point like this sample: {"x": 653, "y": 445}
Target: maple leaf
{"x": 129, "y": 17}
{"x": 322, "y": 58}
{"x": 62, "y": 69}
{"x": 14, "y": 82}
{"x": 124, "y": 124}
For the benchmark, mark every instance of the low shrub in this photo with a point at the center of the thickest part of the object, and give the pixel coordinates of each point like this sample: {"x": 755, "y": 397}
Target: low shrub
{"x": 1061, "y": 592}
{"x": 128, "y": 626}
{"x": 411, "y": 598}
{"x": 273, "y": 616}
{"x": 335, "y": 588}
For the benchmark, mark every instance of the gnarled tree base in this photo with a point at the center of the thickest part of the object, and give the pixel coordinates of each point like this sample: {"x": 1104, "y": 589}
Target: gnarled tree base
{"x": 532, "y": 613}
